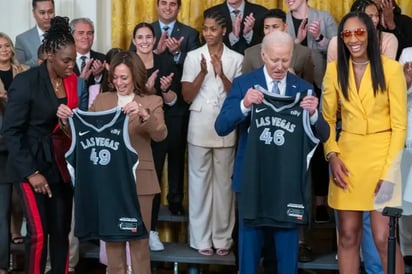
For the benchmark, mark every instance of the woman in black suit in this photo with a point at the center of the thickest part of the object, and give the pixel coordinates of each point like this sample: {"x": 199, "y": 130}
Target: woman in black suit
{"x": 163, "y": 78}
{"x": 36, "y": 145}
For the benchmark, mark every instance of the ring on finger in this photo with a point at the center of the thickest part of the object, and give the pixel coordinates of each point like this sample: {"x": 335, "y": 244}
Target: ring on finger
{"x": 335, "y": 179}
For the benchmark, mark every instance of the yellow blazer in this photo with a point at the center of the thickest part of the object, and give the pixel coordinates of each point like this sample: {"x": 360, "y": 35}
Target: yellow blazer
{"x": 141, "y": 135}
{"x": 365, "y": 113}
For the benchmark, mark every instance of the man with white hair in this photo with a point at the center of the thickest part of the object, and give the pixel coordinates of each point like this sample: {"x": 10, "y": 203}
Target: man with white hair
{"x": 244, "y": 102}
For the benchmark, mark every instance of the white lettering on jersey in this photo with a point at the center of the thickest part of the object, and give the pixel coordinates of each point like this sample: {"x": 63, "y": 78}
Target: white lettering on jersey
{"x": 99, "y": 142}
{"x": 278, "y": 137}
{"x": 276, "y": 122}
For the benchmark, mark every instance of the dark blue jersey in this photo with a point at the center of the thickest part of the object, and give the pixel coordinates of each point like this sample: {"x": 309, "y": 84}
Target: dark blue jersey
{"x": 275, "y": 189}
{"x": 102, "y": 164}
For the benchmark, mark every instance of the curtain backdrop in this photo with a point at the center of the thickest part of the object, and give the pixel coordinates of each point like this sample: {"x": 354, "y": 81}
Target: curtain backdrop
{"x": 127, "y": 13}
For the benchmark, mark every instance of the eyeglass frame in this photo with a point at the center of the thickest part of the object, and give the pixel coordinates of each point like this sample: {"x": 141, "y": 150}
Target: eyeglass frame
{"x": 359, "y": 33}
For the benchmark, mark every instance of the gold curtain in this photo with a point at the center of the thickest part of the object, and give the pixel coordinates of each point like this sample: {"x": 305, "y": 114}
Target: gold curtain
{"x": 127, "y": 13}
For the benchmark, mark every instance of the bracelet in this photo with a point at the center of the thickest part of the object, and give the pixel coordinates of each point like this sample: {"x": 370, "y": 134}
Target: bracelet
{"x": 34, "y": 174}
{"x": 329, "y": 155}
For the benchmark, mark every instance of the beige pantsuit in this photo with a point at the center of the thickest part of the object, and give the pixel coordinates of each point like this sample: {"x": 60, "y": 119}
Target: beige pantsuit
{"x": 211, "y": 205}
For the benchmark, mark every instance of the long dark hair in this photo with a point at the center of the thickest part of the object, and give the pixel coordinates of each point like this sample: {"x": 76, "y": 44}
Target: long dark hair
{"x": 373, "y": 52}
{"x": 137, "y": 69}
{"x": 106, "y": 85}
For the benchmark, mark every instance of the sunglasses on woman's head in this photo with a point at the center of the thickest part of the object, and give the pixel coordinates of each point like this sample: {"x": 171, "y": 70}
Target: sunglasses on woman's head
{"x": 359, "y": 33}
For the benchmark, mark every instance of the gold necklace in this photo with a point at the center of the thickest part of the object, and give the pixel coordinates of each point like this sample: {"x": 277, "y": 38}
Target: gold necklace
{"x": 360, "y": 63}
{"x": 57, "y": 85}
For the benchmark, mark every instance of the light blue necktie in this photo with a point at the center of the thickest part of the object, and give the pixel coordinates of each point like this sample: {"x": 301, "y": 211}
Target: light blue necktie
{"x": 275, "y": 87}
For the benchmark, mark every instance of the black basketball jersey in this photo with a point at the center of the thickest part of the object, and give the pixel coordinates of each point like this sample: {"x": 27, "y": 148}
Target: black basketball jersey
{"x": 102, "y": 164}
{"x": 275, "y": 188}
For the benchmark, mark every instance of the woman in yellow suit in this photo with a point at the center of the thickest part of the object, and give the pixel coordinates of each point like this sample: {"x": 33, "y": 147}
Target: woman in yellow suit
{"x": 371, "y": 92}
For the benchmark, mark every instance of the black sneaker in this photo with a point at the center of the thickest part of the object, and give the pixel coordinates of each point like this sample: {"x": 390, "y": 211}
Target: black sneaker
{"x": 322, "y": 215}
{"x": 176, "y": 209}
{"x": 305, "y": 253}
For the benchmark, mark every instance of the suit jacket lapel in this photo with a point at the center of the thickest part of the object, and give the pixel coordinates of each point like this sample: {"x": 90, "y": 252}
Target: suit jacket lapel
{"x": 34, "y": 35}
{"x": 291, "y": 85}
{"x": 47, "y": 86}
{"x": 248, "y": 10}
{"x": 228, "y": 16}
{"x": 76, "y": 69}
{"x": 260, "y": 78}
{"x": 157, "y": 31}
{"x": 176, "y": 31}
{"x": 354, "y": 96}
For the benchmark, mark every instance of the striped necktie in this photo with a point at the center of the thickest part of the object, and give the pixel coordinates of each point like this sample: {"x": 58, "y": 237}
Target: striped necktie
{"x": 275, "y": 87}
{"x": 83, "y": 62}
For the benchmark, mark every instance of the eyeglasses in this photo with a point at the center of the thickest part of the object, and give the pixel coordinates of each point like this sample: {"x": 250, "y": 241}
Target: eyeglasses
{"x": 360, "y": 34}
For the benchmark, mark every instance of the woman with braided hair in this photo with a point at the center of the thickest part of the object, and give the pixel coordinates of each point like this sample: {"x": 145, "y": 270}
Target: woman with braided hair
{"x": 36, "y": 144}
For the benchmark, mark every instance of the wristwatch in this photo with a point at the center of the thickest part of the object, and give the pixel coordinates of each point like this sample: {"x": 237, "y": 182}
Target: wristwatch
{"x": 320, "y": 38}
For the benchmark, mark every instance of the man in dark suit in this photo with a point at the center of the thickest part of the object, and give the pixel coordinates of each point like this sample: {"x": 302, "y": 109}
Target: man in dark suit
{"x": 277, "y": 48}
{"x": 177, "y": 39}
{"x": 302, "y": 65}
{"x": 172, "y": 35}
{"x": 83, "y": 34}
{"x": 242, "y": 20}
{"x": 29, "y": 41}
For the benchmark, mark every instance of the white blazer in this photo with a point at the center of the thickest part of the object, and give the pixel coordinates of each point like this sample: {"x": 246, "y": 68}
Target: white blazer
{"x": 209, "y": 100}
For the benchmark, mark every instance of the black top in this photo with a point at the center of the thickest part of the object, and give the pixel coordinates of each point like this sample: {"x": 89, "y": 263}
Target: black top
{"x": 296, "y": 25}
{"x": 6, "y": 77}
{"x": 62, "y": 100}
{"x": 402, "y": 32}
{"x": 165, "y": 64}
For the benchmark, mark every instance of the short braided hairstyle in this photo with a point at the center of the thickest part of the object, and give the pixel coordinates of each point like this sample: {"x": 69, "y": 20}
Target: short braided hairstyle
{"x": 218, "y": 17}
{"x": 58, "y": 35}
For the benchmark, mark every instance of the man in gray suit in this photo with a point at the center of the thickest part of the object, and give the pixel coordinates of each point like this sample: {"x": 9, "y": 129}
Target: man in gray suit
{"x": 312, "y": 28}
{"x": 301, "y": 62}
{"x": 29, "y": 41}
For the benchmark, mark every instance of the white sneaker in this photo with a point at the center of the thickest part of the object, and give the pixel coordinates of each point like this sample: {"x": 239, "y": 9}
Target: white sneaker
{"x": 154, "y": 242}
